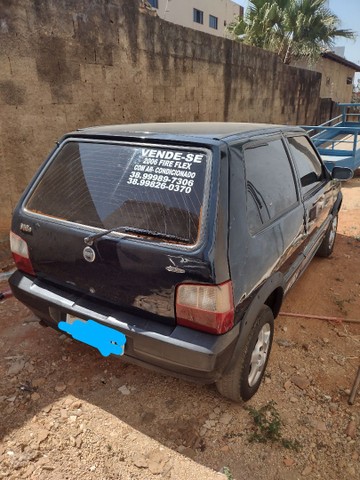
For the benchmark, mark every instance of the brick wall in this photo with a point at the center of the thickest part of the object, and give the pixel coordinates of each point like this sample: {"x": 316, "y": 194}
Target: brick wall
{"x": 66, "y": 64}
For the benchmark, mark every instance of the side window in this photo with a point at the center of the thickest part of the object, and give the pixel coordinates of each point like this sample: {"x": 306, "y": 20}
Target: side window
{"x": 307, "y": 163}
{"x": 270, "y": 183}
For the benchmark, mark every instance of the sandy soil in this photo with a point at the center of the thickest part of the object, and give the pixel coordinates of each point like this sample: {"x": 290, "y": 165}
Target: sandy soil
{"x": 68, "y": 413}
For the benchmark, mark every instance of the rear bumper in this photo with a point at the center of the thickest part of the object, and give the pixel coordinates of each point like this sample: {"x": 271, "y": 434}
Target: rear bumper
{"x": 176, "y": 350}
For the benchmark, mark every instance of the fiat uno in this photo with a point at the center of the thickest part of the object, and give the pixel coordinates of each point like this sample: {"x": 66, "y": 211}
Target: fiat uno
{"x": 174, "y": 244}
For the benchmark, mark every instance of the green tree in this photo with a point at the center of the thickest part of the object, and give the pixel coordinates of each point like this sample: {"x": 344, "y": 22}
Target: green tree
{"x": 291, "y": 28}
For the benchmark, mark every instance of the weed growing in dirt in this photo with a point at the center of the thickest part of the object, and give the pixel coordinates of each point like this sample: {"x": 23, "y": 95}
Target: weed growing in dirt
{"x": 341, "y": 304}
{"x": 268, "y": 427}
{"x": 227, "y": 473}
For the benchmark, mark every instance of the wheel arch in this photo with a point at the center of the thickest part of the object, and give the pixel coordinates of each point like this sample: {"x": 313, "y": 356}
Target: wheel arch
{"x": 275, "y": 299}
{"x": 271, "y": 293}
{"x": 337, "y": 205}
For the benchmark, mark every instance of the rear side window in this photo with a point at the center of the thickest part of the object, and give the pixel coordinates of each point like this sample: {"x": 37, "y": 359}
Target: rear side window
{"x": 157, "y": 190}
{"x": 270, "y": 183}
{"x": 307, "y": 163}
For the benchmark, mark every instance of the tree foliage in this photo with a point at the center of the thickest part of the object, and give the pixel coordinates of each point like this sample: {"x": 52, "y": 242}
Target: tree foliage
{"x": 291, "y": 28}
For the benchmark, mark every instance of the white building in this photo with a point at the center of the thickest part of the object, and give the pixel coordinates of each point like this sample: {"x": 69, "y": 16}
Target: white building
{"x": 210, "y": 16}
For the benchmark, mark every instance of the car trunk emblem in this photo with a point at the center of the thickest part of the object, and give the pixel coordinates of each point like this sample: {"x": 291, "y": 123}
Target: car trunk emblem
{"x": 89, "y": 254}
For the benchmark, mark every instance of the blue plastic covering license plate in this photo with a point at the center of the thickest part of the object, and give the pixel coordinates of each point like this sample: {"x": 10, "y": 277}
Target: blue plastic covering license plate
{"x": 105, "y": 339}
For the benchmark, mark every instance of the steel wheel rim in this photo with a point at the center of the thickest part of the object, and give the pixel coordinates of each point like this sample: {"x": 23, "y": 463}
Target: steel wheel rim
{"x": 332, "y": 233}
{"x": 259, "y": 355}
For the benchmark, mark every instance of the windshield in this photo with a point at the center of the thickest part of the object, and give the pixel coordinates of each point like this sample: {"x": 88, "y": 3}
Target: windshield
{"x": 108, "y": 185}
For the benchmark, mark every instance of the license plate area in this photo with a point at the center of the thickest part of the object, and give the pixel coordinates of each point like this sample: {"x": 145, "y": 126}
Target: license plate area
{"x": 105, "y": 339}
{"x": 71, "y": 319}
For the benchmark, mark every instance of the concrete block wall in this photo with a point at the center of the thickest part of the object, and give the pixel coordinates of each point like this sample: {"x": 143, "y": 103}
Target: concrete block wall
{"x": 66, "y": 64}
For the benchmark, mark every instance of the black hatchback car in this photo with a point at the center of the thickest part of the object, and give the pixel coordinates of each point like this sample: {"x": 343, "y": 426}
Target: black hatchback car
{"x": 174, "y": 244}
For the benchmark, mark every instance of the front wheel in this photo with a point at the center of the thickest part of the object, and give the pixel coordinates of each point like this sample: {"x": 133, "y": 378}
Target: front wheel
{"x": 244, "y": 378}
{"x": 327, "y": 245}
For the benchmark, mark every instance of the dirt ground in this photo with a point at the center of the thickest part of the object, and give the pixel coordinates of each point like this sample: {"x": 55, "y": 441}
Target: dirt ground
{"x": 68, "y": 413}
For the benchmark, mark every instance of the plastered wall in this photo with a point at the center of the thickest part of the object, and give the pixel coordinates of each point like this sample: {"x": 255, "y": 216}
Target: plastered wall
{"x": 336, "y": 79}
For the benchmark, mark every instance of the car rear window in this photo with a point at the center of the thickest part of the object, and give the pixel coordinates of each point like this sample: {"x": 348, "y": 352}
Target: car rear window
{"x": 107, "y": 185}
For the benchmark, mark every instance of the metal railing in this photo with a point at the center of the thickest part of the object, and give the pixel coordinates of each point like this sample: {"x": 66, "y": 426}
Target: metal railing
{"x": 326, "y": 135}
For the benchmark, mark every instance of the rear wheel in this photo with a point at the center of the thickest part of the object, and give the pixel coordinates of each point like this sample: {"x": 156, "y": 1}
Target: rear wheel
{"x": 244, "y": 378}
{"x": 327, "y": 245}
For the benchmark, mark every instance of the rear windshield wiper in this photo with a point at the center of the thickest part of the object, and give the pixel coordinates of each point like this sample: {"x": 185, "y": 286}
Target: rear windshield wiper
{"x": 141, "y": 231}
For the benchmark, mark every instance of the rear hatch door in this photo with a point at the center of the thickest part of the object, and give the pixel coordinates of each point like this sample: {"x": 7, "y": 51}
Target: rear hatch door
{"x": 154, "y": 196}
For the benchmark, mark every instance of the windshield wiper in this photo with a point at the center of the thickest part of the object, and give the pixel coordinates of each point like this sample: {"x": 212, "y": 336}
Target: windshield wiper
{"x": 153, "y": 233}
{"x": 141, "y": 231}
{"x": 92, "y": 238}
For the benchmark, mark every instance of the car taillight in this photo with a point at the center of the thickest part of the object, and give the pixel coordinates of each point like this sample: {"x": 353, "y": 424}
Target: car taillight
{"x": 205, "y": 307}
{"x": 20, "y": 253}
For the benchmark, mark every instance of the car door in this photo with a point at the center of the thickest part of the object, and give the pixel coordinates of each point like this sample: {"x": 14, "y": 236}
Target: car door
{"x": 316, "y": 191}
{"x": 268, "y": 237}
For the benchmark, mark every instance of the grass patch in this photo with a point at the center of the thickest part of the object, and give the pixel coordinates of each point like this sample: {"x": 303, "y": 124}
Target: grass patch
{"x": 268, "y": 424}
{"x": 226, "y": 471}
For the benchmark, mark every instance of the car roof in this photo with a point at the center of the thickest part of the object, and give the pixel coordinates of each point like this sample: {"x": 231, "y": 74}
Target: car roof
{"x": 194, "y": 130}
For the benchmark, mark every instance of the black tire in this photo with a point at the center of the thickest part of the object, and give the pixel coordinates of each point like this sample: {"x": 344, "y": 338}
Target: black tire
{"x": 327, "y": 245}
{"x": 244, "y": 378}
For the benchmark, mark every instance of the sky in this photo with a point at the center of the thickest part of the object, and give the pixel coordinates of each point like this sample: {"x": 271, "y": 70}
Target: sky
{"x": 349, "y": 13}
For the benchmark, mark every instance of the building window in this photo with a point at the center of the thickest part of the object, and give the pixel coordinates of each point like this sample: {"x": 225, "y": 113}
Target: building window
{"x": 154, "y": 3}
{"x": 213, "y": 22}
{"x": 349, "y": 81}
{"x": 198, "y": 16}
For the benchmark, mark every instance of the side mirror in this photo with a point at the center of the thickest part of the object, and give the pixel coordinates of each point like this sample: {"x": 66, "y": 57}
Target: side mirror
{"x": 342, "y": 173}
